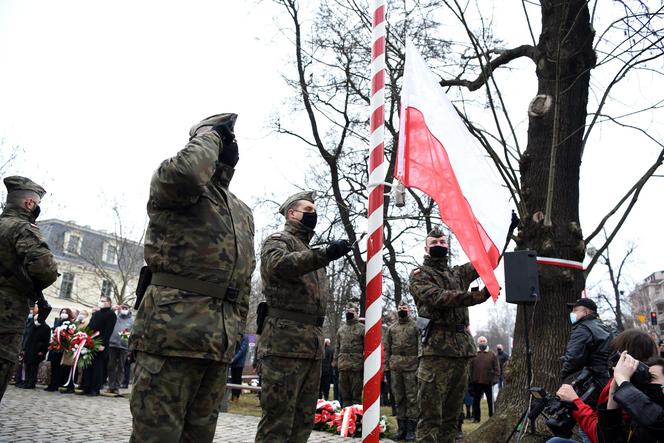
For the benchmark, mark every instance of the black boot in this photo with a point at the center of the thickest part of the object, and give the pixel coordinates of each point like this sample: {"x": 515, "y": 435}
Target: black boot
{"x": 411, "y": 425}
{"x": 401, "y": 432}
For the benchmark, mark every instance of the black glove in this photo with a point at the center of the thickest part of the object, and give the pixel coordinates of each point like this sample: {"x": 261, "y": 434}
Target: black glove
{"x": 44, "y": 310}
{"x": 229, "y": 154}
{"x": 337, "y": 249}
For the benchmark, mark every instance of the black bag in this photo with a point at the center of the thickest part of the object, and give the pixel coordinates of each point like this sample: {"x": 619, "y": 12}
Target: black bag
{"x": 144, "y": 279}
{"x": 261, "y": 315}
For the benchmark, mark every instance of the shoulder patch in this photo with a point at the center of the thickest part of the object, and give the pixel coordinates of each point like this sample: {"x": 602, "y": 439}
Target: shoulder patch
{"x": 417, "y": 271}
{"x": 34, "y": 225}
{"x": 277, "y": 235}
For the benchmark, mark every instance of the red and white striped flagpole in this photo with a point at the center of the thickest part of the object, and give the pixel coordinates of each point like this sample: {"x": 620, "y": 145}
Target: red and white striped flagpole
{"x": 373, "y": 365}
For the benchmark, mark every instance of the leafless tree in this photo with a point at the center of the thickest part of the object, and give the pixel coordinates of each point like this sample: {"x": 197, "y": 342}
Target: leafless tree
{"x": 120, "y": 263}
{"x": 330, "y": 81}
{"x": 540, "y": 168}
{"x": 8, "y": 157}
{"x": 615, "y": 301}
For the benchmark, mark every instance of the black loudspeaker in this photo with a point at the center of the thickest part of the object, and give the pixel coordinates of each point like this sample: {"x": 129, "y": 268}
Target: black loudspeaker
{"x": 521, "y": 279}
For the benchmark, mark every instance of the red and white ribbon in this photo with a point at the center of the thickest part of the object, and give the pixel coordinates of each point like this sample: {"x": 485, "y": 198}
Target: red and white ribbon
{"x": 560, "y": 262}
{"x": 373, "y": 370}
{"x": 77, "y": 341}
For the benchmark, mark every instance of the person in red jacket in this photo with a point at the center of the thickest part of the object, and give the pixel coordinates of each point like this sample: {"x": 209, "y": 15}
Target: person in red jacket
{"x": 637, "y": 344}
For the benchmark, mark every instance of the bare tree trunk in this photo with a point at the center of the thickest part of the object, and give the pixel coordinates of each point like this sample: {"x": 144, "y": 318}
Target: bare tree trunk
{"x": 565, "y": 58}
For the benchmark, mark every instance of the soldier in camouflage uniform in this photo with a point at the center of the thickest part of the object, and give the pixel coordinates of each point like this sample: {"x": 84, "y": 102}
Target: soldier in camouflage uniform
{"x": 349, "y": 358}
{"x": 199, "y": 247}
{"x": 441, "y": 295}
{"x": 26, "y": 267}
{"x": 290, "y": 350}
{"x": 402, "y": 343}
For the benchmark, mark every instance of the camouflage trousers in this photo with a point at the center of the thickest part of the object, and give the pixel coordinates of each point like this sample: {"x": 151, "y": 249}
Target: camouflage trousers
{"x": 289, "y": 391}
{"x": 350, "y": 385}
{"x": 176, "y": 399}
{"x": 442, "y": 384}
{"x": 404, "y": 390}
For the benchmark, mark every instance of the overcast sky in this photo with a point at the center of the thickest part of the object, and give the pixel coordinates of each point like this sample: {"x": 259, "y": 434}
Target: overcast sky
{"x": 97, "y": 93}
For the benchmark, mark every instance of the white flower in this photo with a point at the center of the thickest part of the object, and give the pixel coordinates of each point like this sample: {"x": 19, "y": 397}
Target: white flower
{"x": 84, "y": 351}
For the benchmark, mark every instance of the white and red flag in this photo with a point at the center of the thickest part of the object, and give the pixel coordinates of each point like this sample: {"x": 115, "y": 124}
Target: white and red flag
{"x": 433, "y": 143}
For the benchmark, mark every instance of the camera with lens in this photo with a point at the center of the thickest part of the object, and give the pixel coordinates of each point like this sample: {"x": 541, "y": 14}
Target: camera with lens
{"x": 641, "y": 376}
{"x": 558, "y": 412}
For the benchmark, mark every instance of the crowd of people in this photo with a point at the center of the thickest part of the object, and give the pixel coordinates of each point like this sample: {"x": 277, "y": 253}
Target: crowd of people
{"x": 193, "y": 301}
{"x": 110, "y": 365}
{"x": 342, "y": 374}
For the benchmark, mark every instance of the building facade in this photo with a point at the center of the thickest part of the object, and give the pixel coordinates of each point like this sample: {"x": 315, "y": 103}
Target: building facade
{"x": 91, "y": 263}
{"x": 647, "y": 297}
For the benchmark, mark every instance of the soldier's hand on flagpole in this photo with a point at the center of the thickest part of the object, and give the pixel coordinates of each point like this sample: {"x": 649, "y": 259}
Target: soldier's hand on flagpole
{"x": 337, "y": 249}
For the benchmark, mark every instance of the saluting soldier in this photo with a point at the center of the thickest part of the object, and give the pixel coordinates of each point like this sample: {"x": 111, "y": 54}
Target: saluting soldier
{"x": 27, "y": 267}
{"x": 199, "y": 247}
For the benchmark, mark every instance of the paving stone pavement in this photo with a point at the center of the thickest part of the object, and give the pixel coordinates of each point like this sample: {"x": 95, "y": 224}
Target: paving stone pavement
{"x": 36, "y": 416}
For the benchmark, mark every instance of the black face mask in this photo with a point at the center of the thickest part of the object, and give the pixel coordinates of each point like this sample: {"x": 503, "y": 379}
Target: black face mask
{"x": 403, "y": 314}
{"x": 36, "y": 211}
{"x": 500, "y": 351}
{"x": 438, "y": 251}
{"x": 309, "y": 219}
{"x": 482, "y": 347}
{"x": 654, "y": 393}
{"x": 349, "y": 316}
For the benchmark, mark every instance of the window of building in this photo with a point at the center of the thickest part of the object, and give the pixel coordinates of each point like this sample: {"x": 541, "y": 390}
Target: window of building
{"x": 106, "y": 288}
{"x": 72, "y": 243}
{"x": 67, "y": 285}
{"x": 110, "y": 253}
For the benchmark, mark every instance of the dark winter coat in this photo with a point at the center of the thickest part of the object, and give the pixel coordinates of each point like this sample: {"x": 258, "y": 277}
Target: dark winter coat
{"x": 36, "y": 346}
{"x": 103, "y": 321}
{"x": 647, "y": 424}
{"x": 240, "y": 356}
{"x": 503, "y": 357}
{"x": 484, "y": 369}
{"x": 588, "y": 347}
{"x": 328, "y": 358}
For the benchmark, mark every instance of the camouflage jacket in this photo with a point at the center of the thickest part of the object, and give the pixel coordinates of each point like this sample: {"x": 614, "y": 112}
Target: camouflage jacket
{"x": 349, "y": 346}
{"x": 402, "y": 344}
{"x": 441, "y": 295}
{"x": 199, "y": 230}
{"x": 294, "y": 279}
{"x": 23, "y": 250}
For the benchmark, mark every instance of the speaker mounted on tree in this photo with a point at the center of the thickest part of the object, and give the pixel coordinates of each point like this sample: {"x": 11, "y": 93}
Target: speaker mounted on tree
{"x": 521, "y": 277}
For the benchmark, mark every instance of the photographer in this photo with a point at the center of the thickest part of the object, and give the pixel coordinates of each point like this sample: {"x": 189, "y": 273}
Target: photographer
{"x": 638, "y": 344}
{"x": 588, "y": 345}
{"x": 643, "y": 402}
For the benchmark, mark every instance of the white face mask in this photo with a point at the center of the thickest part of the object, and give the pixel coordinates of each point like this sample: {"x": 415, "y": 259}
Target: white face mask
{"x": 64, "y": 316}
{"x": 572, "y": 317}
{"x": 124, "y": 311}
{"x": 80, "y": 317}
{"x": 101, "y": 304}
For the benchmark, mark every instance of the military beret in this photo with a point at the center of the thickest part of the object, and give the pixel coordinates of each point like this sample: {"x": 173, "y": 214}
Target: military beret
{"x": 18, "y": 183}
{"x": 436, "y": 232}
{"x": 305, "y": 195}
{"x": 228, "y": 119}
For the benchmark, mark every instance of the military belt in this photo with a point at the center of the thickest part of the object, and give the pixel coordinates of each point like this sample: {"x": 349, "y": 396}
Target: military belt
{"x": 192, "y": 285}
{"x": 299, "y": 317}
